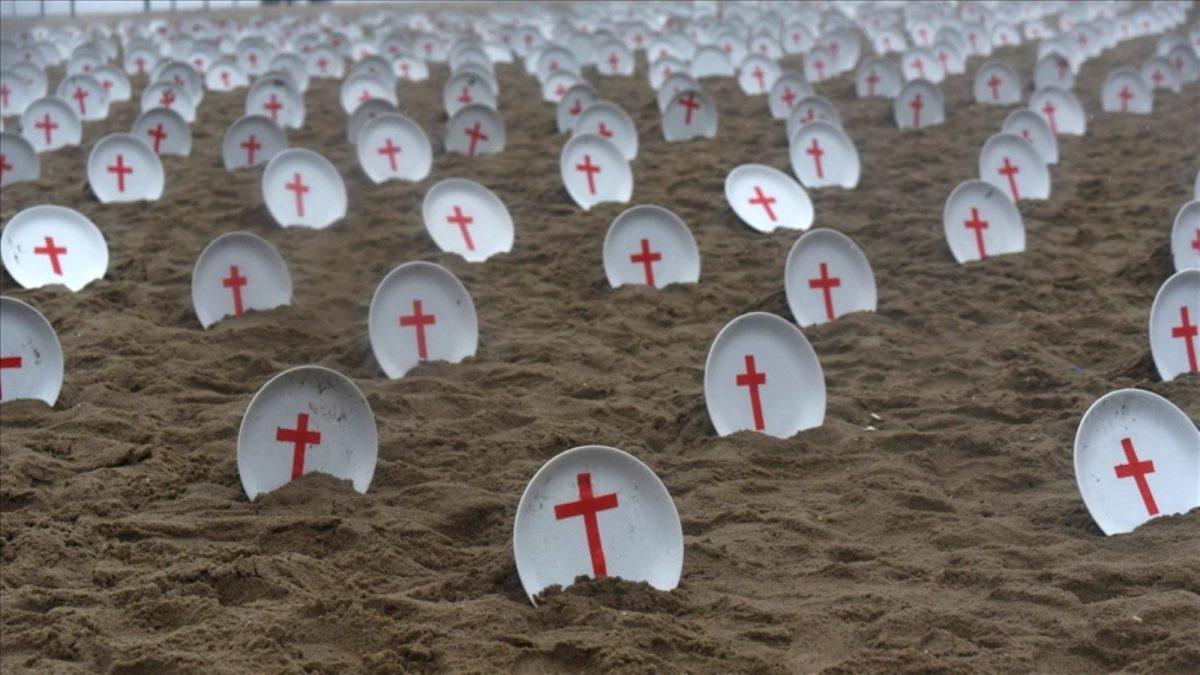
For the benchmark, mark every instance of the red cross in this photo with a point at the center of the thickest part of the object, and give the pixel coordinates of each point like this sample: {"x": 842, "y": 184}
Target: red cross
{"x": 178, "y": 80}
{"x": 753, "y": 379}
{"x": 4, "y": 92}
{"x": 1049, "y": 109}
{"x": 167, "y": 98}
{"x": 995, "y": 82}
{"x": 820, "y": 66}
{"x": 419, "y": 320}
{"x": 364, "y": 96}
{"x": 646, "y": 259}
{"x": 971, "y": 39}
{"x": 979, "y": 225}
{"x": 1062, "y": 67}
{"x": 225, "y": 78}
{"x": 919, "y": 65}
{"x": 462, "y": 220}
{"x": 690, "y": 103}
{"x": 120, "y": 169}
{"x": 1137, "y": 469}
{"x": 476, "y": 135}
{"x": 605, "y": 131}
{"x": 761, "y": 199}
{"x": 253, "y": 58}
{"x": 1187, "y": 331}
{"x": 872, "y": 78}
{"x": 53, "y": 252}
{"x": 1196, "y": 243}
{"x": 107, "y": 84}
{"x": 199, "y": 64}
{"x": 404, "y": 69}
{"x": 789, "y": 96}
{"x": 559, "y": 89}
{"x": 9, "y": 362}
{"x": 4, "y": 165}
{"x": 590, "y": 169}
{"x": 1010, "y": 171}
{"x": 613, "y": 61}
{"x": 833, "y": 48}
{"x": 588, "y": 506}
{"x": 576, "y": 108}
{"x": 758, "y": 75}
{"x": 80, "y": 95}
{"x": 274, "y": 106}
{"x": 465, "y": 96}
{"x": 916, "y": 105}
{"x": 1125, "y": 95}
{"x": 943, "y": 58}
{"x": 1082, "y": 39}
{"x": 299, "y": 438}
{"x": 924, "y": 35}
{"x": 826, "y": 283}
{"x": 234, "y": 282}
{"x": 158, "y": 134}
{"x": 1157, "y": 77}
{"x": 809, "y": 115}
{"x": 250, "y": 144}
{"x": 390, "y": 149}
{"x": 299, "y": 188}
{"x": 816, "y": 152}
{"x": 141, "y": 64}
{"x": 1025, "y": 135}
{"x": 48, "y": 125}
{"x": 322, "y": 63}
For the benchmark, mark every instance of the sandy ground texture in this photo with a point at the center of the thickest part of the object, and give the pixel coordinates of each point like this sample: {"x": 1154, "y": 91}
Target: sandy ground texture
{"x": 949, "y": 538}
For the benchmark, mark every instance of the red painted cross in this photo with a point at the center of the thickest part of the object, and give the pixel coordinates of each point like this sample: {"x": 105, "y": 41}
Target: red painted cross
{"x": 559, "y": 89}
{"x": 591, "y": 170}
{"x": 826, "y": 283}
{"x": 322, "y": 63}
{"x": 816, "y": 152}
{"x": 588, "y": 506}
{"x": 299, "y": 438}
{"x": 53, "y": 252}
{"x": 9, "y": 362}
{"x": 646, "y": 259}
{"x": 789, "y": 97}
{"x": 1196, "y": 243}
{"x": 1125, "y": 95}
{"x": 465, "y": 96}
{"x": 979, "y": 225}
{"x": 760, "y": 198}
{"x": 576, "y": 108}
{"x": 1049, "y": 110}
{"x": 1157, "y": 77}
{"x": 80, "y": 95}
{"x": 390, "y": 149}
{"x": 199, "y": 64}
{"x": 476, "y": 135}
{"x": 419, "y": 320}
{"x": 1062, "y": 67}
{"x": 1137, "y": 470}
{"x": 178, "y": 80}
{"x": 158, "y": 134}
{"x": 253, "y": 58}
{"x": 833, "y": 48}
{"x": 167, "y": 98}
{"x": 605, "y": 131}
{"x": 759, "y": 75}
{"x": 404, "y": 69}
{"x": 4, "y": 92}
{"x": 4, "y": 165}
{"x": 120, "y": 169}
{"x": 250, "y": 144}
{"x": 943, "y": 57}
{"x": 690, "y": 103}
{"x": 364, "y": 96}
{"x": 919, "y": 65}
{"x": 820, "y": 66}
{"x": 916, "y": 105}
{"x": 994, "y": 82}
{"x": 971, "y": 39}
{"x": 141, "y": 64}
{"x": 753, "y": 379}
{"x": 273, "y": 105}
{"x": 48, "y": 125}
{"x": 299, "y": 188}
{"x": 234, "y": 283}
{"x": 1187, "y": 331}
{"x": 107, "y": 84}
{"x": 613, "y": 61}
{"x": 225, "y": 78}
{"x": 872, "y": 78}
{"x": 462, "y": 221}
{"x": 1010, "y": 171}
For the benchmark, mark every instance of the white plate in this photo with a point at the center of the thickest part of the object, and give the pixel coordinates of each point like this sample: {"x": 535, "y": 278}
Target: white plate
{"x": 236, "y": 272}
{"x": 609, "y": 121}
{"x": 594, "y": 171}
{"x": 826, "y": 276}
{"x": 394, "y": 147}
{"x": 123, "y": 168}
{"x": 20, "y": 160}
{"x": 651, "y": 246}
{"x": 1013, "y": 166}
{"x": 302, "y": 188}
{"x": 466, "y": 218}
{"x": 31, "y": 358}
{"x": 1185, "y": 236}
{"x": 47, "y": 244}
{"x": 765, "y": 198}
{"x": 421, "y": 312}
{"x": 250, "y": 141}
{"x": 980, "y": 221}
{"x": 475, "y": 130}
{"x": 1175, "y": 325}
{"x": 831, "y": 161}
{"x": 690, "y": 115}
{"x": 49, "y": 123}
{"x": 165, "y": 131}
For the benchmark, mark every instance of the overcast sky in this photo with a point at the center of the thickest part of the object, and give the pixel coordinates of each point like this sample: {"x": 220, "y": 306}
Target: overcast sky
{"x": 63, "y": 7}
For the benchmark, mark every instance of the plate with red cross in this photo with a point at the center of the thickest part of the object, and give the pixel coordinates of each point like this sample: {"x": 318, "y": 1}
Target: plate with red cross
{"x": 1053, "y": 70}
{"x": 421, "y": 312}
{"x": 997, "y": 84}
{"x": 1159, "y": 73}
{"x": 609, "y": 121}
{"x": 763, "y": 375}
{"x": 114, "y": 82}
{"x": 466, "y": 218}
{"x": 1175, "y": 325}
{"x": 614, "y": 59}
{"x": 15, "y": 94}
{"x": 599, "y": 512}
{"x": 690, "y": 115}
{"x": 651, "y": 246}
{"x": 1010, "y": 163}
{"x": 394, "y": 147}
{"x": 812, "y": 108}
{"x": 250, "y": 141}
{"x": 572, "y": 105}
{"x": 238, "y": 272}
{"x": 18, "y": 160}
{"x": 225, "y": 75}
{"x": 358, "y": 89}
{"x": 1060, "y": 109}
{"x": 305, "y": 420}
{"x": 1125, "y": 91}
{"x": 1031, "y": 127}
{"x": 557, "y": 85}
{"x": 1137, "y": 457}
{"x": 980, "y": 221}
{"x": 47, "y": 244}
{"x": 826, "y": 276}
{"x": 757, "y": 74}
{"x": 365, "y": 113}
{"x": 31, "y": 358}
{"x": 85, "y": 95}
{"x": 789, "y": 89}
{"x": 165, "y": 130}
{"x": 184, "y": 77}
{"x": 1185, "y": 237}
{"x": 663, "y": 68}
{"x": 918, "y": 105}
{"x": 766, "y": 198}
{"x": 594, "y": 171}
{"x": 674, "y": 85}
{"x": 49, "y": 123}
{"x": 475, "y": 130}
{"x": 123, "y": 168}
{"x": 464, "y": 89}
{"x": 819, "y": 65}
{"x": 302, "y": 188}
{"x": 321, "y": 62}
{"x": 823, "y": 155}
{"x": 876, "y": 77}
{"x": 278, "y": 99}
{"x": 167, "y": 95}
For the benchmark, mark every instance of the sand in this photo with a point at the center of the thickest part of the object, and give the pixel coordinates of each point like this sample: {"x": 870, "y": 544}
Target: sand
{"x": 951, "y": 537}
